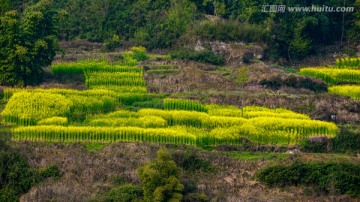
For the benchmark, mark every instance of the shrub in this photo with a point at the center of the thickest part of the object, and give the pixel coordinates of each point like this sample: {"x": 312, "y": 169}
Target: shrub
{"x": 51, "y": 171}
{"x": 112, "y": 43}
{"x": 315, "y": 145}
{"x": 276, "y": 81}
{"x": 142, "y": 37}
{"x": 342, "y": 178}
{"x": 347, "y": 141}
{"x": 129, "y": 58}
{"x": 2, "y": 94}
{"x": 231, "y": 30}
{"x": 189, "y": 161}
{"x": 16, "y": 176}
{"x": 139, "y": 53}
{"x": 195, "y": 197}
{"x": 124, "y": 193}
{"x": 160, "y": 179}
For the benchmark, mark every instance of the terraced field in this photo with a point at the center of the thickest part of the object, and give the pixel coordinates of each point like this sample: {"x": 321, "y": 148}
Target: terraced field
{"x": 105, "y": 113}
{"x": 344, "y": 79}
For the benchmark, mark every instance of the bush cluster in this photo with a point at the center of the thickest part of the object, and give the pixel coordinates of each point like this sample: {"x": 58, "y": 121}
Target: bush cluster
{"x": 124, "y": 193}
{"x": 232, "y": 30}
{"x": 139, "y": 53}
{"x": 17, "y": 177}
{"x": 342, "y": 178}
{"x": 347, "y": 141}
{"x": 276, "y": 81}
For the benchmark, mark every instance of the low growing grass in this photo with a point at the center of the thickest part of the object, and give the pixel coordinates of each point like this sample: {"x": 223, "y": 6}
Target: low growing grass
{"x": 257, "y": 156}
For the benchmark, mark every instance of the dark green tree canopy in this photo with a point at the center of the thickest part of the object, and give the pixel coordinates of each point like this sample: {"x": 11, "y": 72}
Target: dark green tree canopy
{"x": 28, "y": 42}
{"x": 161, "y": 23}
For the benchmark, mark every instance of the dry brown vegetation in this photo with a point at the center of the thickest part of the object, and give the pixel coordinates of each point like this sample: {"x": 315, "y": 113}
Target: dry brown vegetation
{"x": 86, "y": 174}
{"x": 189, "y": 78}
{"x": 208, "y": 84}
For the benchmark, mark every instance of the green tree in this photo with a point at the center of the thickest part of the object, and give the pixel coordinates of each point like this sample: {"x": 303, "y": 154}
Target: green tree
{"x": 300, "y": 45}
{"x": 5, "y": 5}
{"x": 170, "y": 23}
{"x": 17, "y": 177}
{"x": 160, "y": 179}
{"x": 9, "y": 50}
{"x": 8, "y": 5}
{"x": 219, "y": 8}
{"x": 179, "y": 16}
{"x": 357, "y": 13}
{"x": 72, "y": 23}
{"x": 28, "y": 43}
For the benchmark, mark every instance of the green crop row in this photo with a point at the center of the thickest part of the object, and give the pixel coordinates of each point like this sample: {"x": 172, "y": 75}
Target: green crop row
{"x": 253, "y": 111}
{"x": 142, "y": 122}
{"x": 179, "y": 117}
{"x": 333, "y": 76}
{"x": 181, "y": 104}
{"x": 298, "y": 126}
{"x": 292, "y": 115}
{"x": 171, "y": 118}
{"x": 348, "y": 63}
{"x": 61, "y": 121}
{"x": 121, "y": 89}
{"x": 89, "y": 66}
{"x": 8, "y": 92}
{"x": 117, "y": 79}
{"x": 203, "y": 120}
{"x": 125, "y": 98}
{"x": 130, "y": 98}
{"x": 235, "y": 135}
{"x": 118, "y": 114}
{"x": 102, "y": 134}
{"x": 83, "y": 104}
{"x": 347, "y": 90}
{"x": 259, "y": 108}
{"x": 259, "y": 131}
